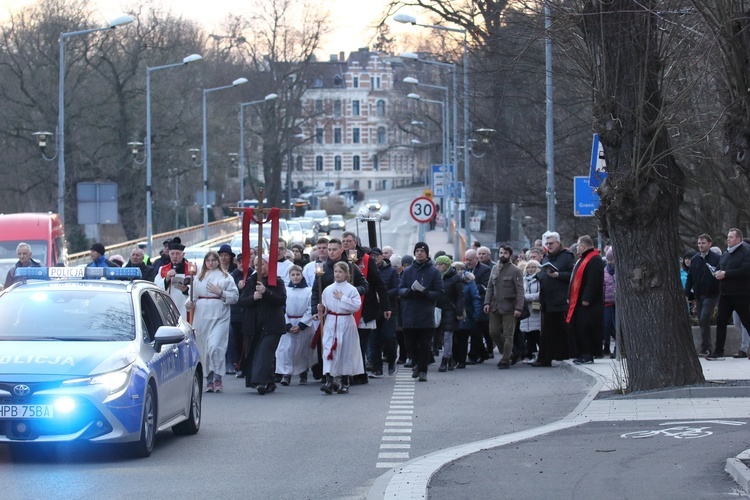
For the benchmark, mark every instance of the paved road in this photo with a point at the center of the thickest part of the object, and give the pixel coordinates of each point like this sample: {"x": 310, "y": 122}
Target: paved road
{"x": 628, "y": 460}
{"x": 299, "y": 443}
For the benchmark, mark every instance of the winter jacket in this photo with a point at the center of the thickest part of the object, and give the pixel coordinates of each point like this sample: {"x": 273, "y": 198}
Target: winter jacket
{"x": 700, "y": 280}
{"x": 418, "y": 307}
{"x": 531, "y": 289}
{"x": 736, "y": 265}
{"x": 390, "y": 277}
{"x": 452, "y": 301}
{"x": 481, "y": 277}
{"x": 505, "y": 289}
{"x": 375, "y": 300}
{"x": 610, "y": 284}
{"x": 264, "y": 316}
{"x": 472, "y": 302}
{"x": 554, "y": 292}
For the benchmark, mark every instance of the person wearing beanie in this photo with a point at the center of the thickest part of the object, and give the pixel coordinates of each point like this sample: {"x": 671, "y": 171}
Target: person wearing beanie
{"x": 97, "y": 257}
{"x": 406, "y": 261}
{"x": 452, "y": 310}
{"x": 226, "y": 258}
{"x": 420, "y": 287}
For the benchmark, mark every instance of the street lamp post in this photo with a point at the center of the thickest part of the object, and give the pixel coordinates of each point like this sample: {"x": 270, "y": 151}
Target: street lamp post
{"x": 238, "y": 81}
{"x": 149, "y": 216}
{"x": 60, "y": 132}
{"x": 269, "y": 97}
{"x": 407, "y": 19}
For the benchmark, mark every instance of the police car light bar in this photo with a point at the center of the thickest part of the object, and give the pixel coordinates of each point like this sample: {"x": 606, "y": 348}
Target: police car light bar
{"x": 109, "y": 273}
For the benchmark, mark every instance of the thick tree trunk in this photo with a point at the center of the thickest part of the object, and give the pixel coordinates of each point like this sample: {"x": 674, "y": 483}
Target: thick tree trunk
{"x": 641, "y": 198}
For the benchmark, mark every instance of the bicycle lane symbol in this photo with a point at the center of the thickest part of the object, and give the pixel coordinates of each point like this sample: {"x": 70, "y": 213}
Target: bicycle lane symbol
{"x": 681, "y": 430}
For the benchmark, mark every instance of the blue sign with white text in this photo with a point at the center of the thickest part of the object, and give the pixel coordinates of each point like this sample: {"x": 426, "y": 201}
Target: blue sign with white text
{"x": 598, "y": 170}
{"x": 585, "y": 199}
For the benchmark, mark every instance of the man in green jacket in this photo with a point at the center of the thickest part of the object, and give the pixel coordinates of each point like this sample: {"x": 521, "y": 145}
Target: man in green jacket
{"x": 504, "y": 303}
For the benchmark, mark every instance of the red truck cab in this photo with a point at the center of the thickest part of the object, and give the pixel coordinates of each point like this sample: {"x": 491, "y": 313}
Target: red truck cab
{"x": 43, "y": 232}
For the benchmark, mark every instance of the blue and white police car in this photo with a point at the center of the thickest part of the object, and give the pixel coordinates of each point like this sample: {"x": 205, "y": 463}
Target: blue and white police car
{"x": 94, "y": 355}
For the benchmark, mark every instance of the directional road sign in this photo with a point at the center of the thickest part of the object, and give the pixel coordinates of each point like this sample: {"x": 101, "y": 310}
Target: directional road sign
{"x": 585, "y": 199}
{"x": 598, "y": 170}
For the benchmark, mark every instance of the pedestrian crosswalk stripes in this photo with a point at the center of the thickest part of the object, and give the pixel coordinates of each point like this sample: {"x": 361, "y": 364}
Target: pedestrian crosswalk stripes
{"x": 398, "y": 424}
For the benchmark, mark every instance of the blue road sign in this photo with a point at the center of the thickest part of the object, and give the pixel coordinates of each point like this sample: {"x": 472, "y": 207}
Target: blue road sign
{"x": 585, "y": 199}
{"x": 441, "y": 177}
{"x": 598, "y": 170}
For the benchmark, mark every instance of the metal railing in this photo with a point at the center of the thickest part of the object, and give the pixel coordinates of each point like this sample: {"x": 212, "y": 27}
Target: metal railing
{"x": 218, "y": 232}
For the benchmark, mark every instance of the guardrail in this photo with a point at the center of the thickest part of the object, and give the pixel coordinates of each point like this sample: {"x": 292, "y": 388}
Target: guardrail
{"x": 218, "y": 232}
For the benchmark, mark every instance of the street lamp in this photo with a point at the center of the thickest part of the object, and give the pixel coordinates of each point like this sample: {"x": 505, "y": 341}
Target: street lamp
{"x": 136, "y": 148}
{"x": 269, "y": 97}
{"x": 149, "y": 216}
{"x": 407, "y": 19}
{"x": 60, "y": 144}
{"x": 445, "y": 124}
{"x": 238, "y": 81}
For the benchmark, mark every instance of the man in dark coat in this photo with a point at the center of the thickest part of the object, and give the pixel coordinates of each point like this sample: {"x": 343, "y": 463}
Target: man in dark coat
{"x": 263, "y": 325}
{"x": 383, "y": 339}
{"x": 703, "y": 290}
{"x": 481, "y": 334}
{"x": 586, "y": 301}
{"x": 23, "y": 251}
{"x": 420, "y": 288}
{"x": 734, "y": 289}
{"x": 137, "y": 259}
{"x": 452, "y": 310}
{"x": 553, "y": 297}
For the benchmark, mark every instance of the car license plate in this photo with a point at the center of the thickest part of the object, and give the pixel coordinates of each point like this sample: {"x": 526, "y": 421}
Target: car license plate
{"x": 26, "y": 411}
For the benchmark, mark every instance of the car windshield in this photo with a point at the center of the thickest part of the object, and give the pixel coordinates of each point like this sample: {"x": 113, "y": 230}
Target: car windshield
{"x": 66, "y": 314}
{"x": 337, "y": 217}
{"x": 294, "y": 226}
{"x": 305, "y": 224}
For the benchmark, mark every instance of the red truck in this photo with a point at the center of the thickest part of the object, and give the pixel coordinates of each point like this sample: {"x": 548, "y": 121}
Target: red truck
{"x": 43, "y": 232}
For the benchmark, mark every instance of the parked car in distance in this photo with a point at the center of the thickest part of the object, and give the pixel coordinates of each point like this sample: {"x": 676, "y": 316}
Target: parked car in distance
{"x": 295, "y": 230}
{"x": 317, "y": 216}
{"x": 333, "y": 222}
{"x": 308, "y": 228}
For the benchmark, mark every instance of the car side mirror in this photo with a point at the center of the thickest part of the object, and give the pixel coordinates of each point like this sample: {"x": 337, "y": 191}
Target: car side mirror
{"x": 166, "y": 335}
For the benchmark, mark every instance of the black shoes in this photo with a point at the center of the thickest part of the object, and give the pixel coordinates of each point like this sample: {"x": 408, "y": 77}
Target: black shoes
{"x": 443, "y": 365}
{"x": 391, "y": 368}
{"x": 537, "y": 364}
{"x": 503, "y": 365}
{"x": 715, "y": 356}
{"x": 740, "y": 354}
{"x": 583, "y": 361}
{"x": 423, "y": 376}
{"x": 286, "y": 380}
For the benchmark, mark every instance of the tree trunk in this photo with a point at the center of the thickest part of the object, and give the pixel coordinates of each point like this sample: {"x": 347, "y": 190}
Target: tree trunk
{"x": 641, "y": 198}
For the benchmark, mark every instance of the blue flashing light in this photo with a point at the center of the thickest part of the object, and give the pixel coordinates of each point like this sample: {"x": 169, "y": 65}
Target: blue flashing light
{"x": 109, "y": 273}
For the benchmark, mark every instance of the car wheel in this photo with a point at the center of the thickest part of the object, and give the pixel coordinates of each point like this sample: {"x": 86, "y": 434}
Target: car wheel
{"x": 193, "y": 424}
{"x": 145, "y": 445}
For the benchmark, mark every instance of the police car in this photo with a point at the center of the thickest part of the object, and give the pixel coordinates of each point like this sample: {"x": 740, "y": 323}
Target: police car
{"x": 94, "y": 355}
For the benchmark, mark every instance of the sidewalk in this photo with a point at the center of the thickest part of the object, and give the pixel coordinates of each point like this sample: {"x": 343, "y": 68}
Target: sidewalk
{"x": 602, "y": 422}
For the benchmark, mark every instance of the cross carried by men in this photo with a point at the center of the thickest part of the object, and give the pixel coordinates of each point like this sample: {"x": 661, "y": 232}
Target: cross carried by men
{"x": 258, "y": 215}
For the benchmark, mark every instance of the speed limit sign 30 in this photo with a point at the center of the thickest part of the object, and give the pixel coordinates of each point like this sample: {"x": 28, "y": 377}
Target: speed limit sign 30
{"x": 422, "y": 209}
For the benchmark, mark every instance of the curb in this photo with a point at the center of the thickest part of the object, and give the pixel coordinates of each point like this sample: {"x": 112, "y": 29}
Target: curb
{"x": 736, "y": 468}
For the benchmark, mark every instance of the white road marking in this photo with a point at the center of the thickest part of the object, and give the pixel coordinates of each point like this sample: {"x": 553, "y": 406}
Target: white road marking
{"x": 398, "y": 423}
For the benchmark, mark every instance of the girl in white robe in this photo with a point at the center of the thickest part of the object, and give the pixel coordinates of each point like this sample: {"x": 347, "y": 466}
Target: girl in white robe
{"x": 294, "y": 356}
{"x": 342, "y": 356}
{"x": 213, "y": 292}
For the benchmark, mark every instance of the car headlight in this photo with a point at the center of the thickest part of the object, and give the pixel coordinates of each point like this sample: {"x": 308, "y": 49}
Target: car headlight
{"x": 113, "y": 381}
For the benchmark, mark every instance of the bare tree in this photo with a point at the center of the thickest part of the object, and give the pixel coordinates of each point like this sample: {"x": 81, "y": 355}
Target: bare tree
{"x": 641, "y": 198}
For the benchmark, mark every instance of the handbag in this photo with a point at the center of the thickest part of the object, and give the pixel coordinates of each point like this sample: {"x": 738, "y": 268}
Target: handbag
{"x": 525, "y": 312}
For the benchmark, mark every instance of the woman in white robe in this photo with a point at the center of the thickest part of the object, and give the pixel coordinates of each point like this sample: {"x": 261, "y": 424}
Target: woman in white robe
{"x": 294, "y": 356}
{"x": 342, "y": 356}
{"x": 213, "y": 292}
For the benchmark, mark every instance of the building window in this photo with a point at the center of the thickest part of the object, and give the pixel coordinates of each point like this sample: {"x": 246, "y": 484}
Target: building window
{"x": 372, "y": 82}
{"x": 319, "y": 135}
{"x": 355, "y": 82}
{"x": 318, "y": 105}
{"x": 375, "y": 163}
{"x": 355, "y": 162}
{"x": 317, "y": 83}
{"x": 377, "y": 82}
{"x": 380, "y": 107}
{"x": 337, "y": 108}
{"x": 298, "y": 165}
{"x": 337, "y": 135}
{"x": 337, "y": 81}
{"x": 381, "y": 135}
{"x": 319, "y": 163}
{"x": 337, "y": 163}
{"x": 355, "y": 108}
{"x": 355, "y": 135}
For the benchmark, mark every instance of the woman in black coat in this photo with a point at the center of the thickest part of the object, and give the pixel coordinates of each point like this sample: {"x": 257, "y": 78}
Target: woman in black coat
{"x": 451, "y": 307}
{"x": 262, "y": 326}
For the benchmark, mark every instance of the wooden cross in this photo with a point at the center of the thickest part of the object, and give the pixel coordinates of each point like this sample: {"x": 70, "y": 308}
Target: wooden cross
{"x": 258, "y": 219}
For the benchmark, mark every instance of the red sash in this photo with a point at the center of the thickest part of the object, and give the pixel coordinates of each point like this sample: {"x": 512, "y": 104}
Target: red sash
{"x": 575, "y": 284}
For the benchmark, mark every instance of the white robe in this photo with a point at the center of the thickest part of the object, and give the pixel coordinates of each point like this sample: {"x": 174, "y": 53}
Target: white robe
{"x": 178, "y": 297}
{"x": 308, "y": 272}
{"x": 211, "y": 319}
{"x": 346, "y": 358}
{"x": 294, "y": 354}
{"x": 282, "y": 269}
